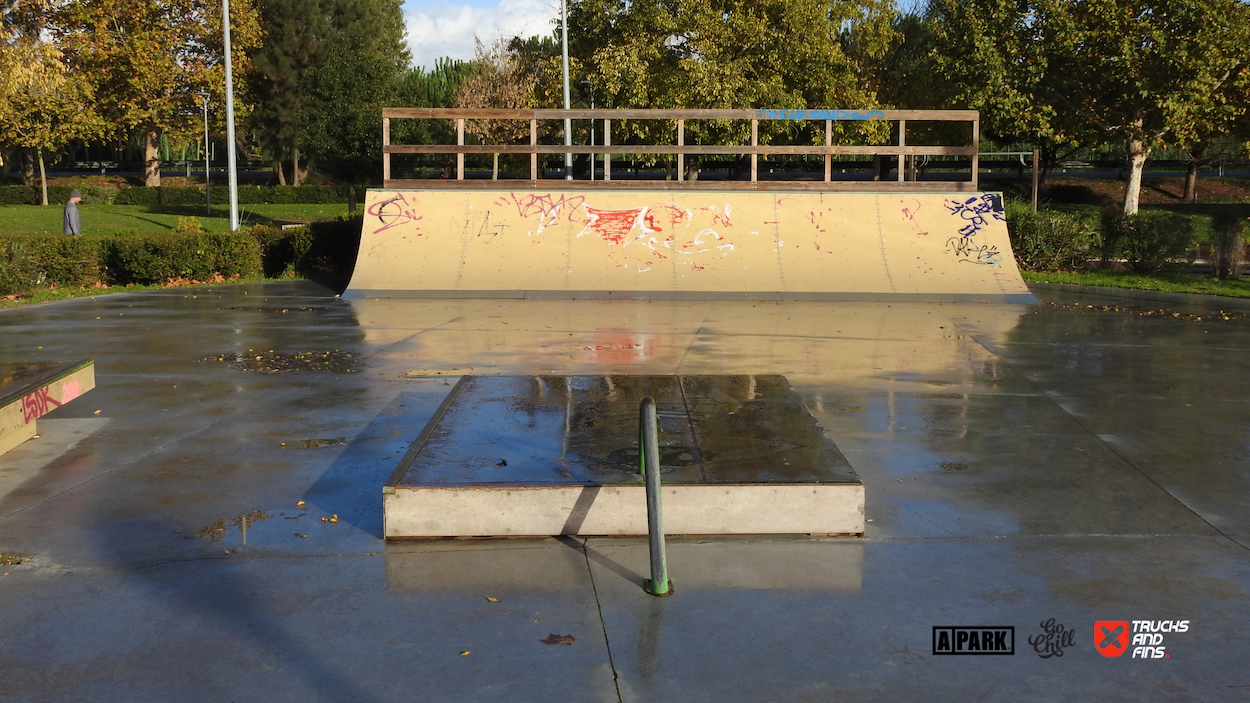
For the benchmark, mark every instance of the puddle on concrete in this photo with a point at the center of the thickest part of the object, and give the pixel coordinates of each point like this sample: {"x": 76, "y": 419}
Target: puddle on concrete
{"x": 217, "y": 531}
{"x": 257, "y": 308}
{"x": 261, "y": 361}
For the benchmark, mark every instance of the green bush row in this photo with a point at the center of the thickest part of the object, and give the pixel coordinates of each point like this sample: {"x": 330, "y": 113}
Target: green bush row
{"x": 248, "y": 195}
{"x": 178, "y": 195}
{"x": 1148, "y": 242}
{"x": 30, "y": 261}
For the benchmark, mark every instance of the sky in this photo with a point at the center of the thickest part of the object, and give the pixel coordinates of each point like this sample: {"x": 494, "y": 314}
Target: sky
{"x": 438, "y": 28}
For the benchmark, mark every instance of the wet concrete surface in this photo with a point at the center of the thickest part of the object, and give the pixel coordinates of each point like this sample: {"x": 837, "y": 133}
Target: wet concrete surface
{"x": 1022, "y": 462}
{"x": 583, "y": 430}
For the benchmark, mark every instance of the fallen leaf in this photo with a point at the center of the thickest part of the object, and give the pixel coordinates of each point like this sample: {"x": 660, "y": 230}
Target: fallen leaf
{"x": 299, "y": 504}
{"x": 96, "y": 412}
{"x": 303, "y": 536}
{"x": 464, "y": 654}
{"x": 553, "y": 638}
{"x": 492, "y": 600}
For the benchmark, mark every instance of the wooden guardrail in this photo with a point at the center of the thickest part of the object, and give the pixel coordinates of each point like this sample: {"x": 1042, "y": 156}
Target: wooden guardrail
{"x": 906, "y": 180}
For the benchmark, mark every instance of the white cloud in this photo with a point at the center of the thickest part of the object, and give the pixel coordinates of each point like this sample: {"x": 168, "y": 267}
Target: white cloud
{"x": 448, "y": 30}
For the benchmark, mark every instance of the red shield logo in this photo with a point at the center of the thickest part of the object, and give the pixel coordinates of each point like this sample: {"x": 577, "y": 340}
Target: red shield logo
{"x": 1111, "y": 637}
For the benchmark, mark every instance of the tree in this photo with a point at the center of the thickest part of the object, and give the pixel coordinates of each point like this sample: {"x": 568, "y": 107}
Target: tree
{"x": 497, "y": 82}
{"x": 294, "y": 41}
{"x": 147, "y": 59}
{"x": 728, "y": 54}
{"x": 1083, "y": 71}
{"x": 364, "y": 62}
{"x": 42, "y": 106}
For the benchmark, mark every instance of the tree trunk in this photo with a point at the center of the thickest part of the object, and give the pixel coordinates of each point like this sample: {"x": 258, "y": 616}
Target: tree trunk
{"x": 28, "y": 167}
{"x": 1137, "y": 153}
{"x": 277, "y": 167}
{"x": 152, "y": 158}
{"x": 1191, "y": 182}
{"x": 303, "y": 171}
{"x": 295, "y": 179}
{"x": 43, "y": 178}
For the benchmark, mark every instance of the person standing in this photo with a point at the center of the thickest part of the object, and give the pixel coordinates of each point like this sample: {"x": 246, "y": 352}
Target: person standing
{"x": 73, "y": 223}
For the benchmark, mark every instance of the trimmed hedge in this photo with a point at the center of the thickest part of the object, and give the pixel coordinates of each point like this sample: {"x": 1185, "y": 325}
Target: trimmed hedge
{"x": 248, "y": 195}
{"x": 30, "y": 261}
{"x": 57, "y": 195}
{"x": 1150, "y": 242}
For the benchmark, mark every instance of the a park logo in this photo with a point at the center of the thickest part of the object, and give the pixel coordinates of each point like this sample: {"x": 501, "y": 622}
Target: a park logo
{"x": 1111, "y": 637}
{"x": 974, "y": 640}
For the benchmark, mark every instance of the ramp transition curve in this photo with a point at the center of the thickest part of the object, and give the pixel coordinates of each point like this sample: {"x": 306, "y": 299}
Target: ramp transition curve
{"x": 686, "y": 244}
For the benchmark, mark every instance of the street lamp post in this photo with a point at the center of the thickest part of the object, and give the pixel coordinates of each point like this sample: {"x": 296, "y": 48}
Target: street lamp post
{"x": 208, "y": 190}
{"x": 568, "y": 124}
{"x": 231, "y": 160}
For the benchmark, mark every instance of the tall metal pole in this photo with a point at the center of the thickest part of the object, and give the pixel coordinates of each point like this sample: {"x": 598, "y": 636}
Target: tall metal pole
{"x": 231, "y": 160}
{"x": 208, "y": 186}
{"x": 568, "y": 124}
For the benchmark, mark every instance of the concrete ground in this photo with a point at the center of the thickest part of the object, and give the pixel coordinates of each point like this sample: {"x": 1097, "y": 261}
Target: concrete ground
{"x": 1022, "y": 463}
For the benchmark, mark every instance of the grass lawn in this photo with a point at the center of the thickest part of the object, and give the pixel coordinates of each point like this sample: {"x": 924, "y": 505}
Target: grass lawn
{"x": 47, "y": 295}
{"x": 1170, "y": 283}
{"x": 102, "y": 219}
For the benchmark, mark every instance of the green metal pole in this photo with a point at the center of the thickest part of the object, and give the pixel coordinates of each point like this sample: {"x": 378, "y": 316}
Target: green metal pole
{"x": 649, "y": 463}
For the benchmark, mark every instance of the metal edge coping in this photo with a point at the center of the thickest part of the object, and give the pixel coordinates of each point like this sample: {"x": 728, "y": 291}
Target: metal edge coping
{"x": 419, "y": 442}
{"x": 768, "y": 296}
{"x": 50, "y": 376}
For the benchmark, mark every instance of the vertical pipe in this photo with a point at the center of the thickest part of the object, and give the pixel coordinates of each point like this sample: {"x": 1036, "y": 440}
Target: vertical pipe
{"x": 460, "y": 154}
{"x": 607, "y": 158}
{"x": 681, "y": 158}
{"x": 1036, "y": 176}
{"x": 649, "y": 460}
{"x": 230, "y": 155}
{"x": 533, "y": 156}
{"x": 386, "y": 155}
{"x": 755, "y": 138}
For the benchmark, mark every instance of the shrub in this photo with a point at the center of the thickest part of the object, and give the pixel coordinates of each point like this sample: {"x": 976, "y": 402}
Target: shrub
{"x": 1228, "y": 243}
{"x": 1150, "y": 242}
{"x": 316, "y": 249}
{"x": 1049, "y": 240}
{"x": 57, "y": 195}
{"x": 27, "y": 261}
{"x": 188, "y": 225}
{"x": 138, "y": 196}
{"x": 156, "y": 258}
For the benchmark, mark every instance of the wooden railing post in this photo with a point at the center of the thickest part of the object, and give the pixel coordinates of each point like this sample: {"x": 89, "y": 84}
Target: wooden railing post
{"x": 533, "y": 155}
{"x": 607, "y": 158}
{"x": 902, "y": 142}
{"x": 460, "y": 154}
{"x": 828, "y": 157}
{"x": 976, "y": 156}
{"x": 755, "y": 140}
{"x": 386, "y": 156}
{"x": 681, "y": 158}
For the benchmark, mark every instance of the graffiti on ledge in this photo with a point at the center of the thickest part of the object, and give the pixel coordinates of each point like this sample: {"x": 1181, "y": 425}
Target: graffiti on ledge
{"x": 820, "y": 114}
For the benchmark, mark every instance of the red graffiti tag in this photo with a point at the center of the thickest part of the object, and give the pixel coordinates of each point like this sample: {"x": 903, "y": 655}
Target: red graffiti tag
{"x": 612, "y": 225}
{"x": 37, "y": 404}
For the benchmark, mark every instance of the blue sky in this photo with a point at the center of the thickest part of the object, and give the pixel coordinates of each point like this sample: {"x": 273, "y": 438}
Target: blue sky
{"x": 441, "y": 28}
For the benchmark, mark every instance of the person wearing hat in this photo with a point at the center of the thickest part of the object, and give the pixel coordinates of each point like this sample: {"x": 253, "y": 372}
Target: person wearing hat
{"x": 73, "y": 223}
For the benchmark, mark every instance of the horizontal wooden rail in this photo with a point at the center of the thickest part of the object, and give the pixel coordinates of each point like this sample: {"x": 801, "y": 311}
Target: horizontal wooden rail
{"x": 884, "y": 150}
{"x": 902, "y": 151}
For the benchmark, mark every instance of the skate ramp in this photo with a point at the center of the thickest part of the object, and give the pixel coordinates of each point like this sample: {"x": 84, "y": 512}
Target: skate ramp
{"x": 499, "y": 243}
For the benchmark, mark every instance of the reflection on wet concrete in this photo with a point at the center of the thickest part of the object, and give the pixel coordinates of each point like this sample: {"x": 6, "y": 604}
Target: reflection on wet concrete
{"x": 553, "y": 430}
{"x": 1021, "y": 462}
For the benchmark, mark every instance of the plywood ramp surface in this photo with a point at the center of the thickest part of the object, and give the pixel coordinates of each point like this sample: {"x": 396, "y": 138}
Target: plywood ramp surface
{"x": 499, "y": 243}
